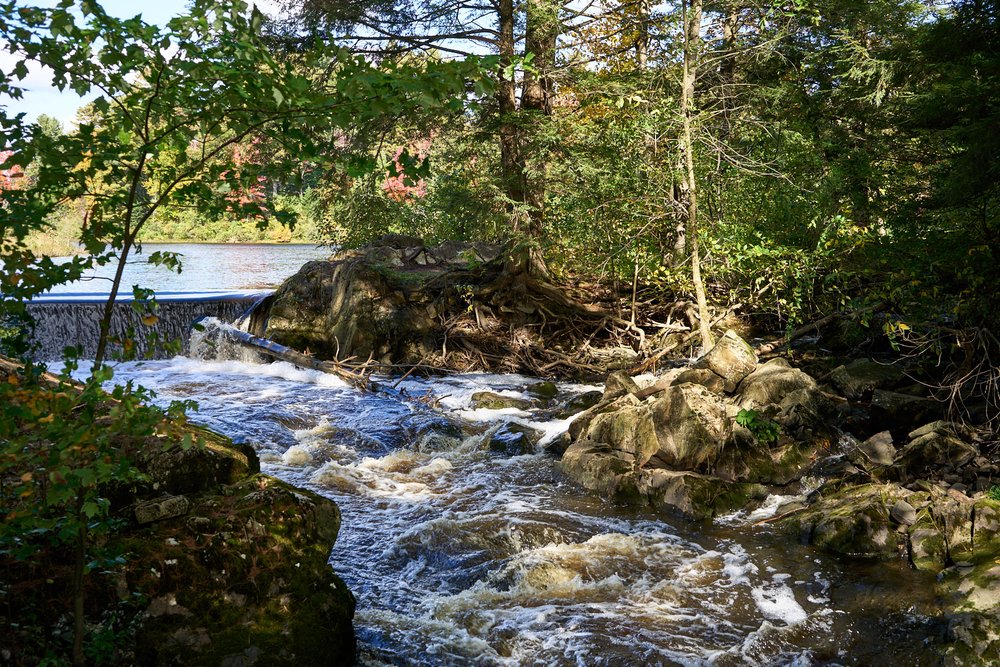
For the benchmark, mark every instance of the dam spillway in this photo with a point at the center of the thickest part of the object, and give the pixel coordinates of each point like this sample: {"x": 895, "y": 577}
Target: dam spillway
{"x": 64, "y": 320}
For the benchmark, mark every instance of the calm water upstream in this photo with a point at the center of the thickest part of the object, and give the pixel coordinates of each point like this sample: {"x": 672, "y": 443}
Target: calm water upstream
{"x": 461, "y": 556}
{"x": 206, "y": 267}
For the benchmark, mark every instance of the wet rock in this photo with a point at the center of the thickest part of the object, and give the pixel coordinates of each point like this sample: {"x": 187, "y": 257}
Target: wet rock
{"x": 853, "y": 522}
{"x": 862, "y": 376}
{"x": 618, "y": 384}
{"x": 579, "y": 403}
{"x": 771, "y": 383}
{"x": 903, "y": 513}
{"x": 599, "y": 468}
{"x": 732, "y": 359}
{"x": 512, "y": 439}
{"x": 159, "y": 509}
{"x": 545, "y": 390}
{"x": 879, "y": 449}
{"x": 494, "y": 401}
{"x": 934, "y": 447}
{"x": 696, "y": 496}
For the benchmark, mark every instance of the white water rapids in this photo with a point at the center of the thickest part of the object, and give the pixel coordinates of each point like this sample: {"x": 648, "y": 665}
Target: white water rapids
{"x": 461, "y": 556}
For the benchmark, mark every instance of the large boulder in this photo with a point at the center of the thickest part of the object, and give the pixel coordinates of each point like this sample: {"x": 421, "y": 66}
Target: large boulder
{"x": 853, "y": 522}
{"x": 602, "y": 469}
{"x": 732, "y": 359}
{"x": 934, "y": 447}
{"x": 244, "y": 574}
{"x": 355, "y": 307}
{"x": 692, "y": 426}
{"x": 862, "y": 376}
{"x": 771, "y": 383}
{"x": 696, "y": 496}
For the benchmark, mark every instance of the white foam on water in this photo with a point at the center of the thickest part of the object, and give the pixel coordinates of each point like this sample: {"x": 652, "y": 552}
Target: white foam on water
{"x": 360, "y": 480}
{"x": 296, "y": 455}
{"x": 766, "y": 510}
{"x": 776, "y": 601}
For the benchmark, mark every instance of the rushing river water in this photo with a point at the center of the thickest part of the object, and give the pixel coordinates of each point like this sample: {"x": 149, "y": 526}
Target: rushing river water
{"x": 461, "y": 556}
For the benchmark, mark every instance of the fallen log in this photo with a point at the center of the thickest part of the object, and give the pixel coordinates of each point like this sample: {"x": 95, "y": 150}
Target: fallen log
{"x": 356, "y": 377}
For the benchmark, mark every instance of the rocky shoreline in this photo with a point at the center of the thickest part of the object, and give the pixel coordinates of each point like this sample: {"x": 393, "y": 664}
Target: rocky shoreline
{"x": 727, "y": 432}
{"x": 217, "y": 564}
{"x": 860, "y": 457}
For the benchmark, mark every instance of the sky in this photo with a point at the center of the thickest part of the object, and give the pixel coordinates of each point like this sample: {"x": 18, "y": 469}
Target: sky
{"x": 41, "y": 98}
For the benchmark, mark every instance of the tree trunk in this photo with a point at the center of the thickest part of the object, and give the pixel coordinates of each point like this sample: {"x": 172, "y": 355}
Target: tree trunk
{"x": 109, "y": 305}
{"x": 510, "y": 158}
{"x": 692, "y": 44}
{"x": 642, "y": 42}
{"x": 79, "y": 567}
{"x": 541, "y": 32}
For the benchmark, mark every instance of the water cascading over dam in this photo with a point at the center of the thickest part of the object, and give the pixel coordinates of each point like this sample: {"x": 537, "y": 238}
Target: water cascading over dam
{"x": 64, "y": 320}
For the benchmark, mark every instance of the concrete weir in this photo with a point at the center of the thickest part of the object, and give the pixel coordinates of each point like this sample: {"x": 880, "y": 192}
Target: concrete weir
{"x": 63, "y": 320}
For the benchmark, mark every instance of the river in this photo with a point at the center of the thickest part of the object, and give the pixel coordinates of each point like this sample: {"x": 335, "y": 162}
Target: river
{"x": 205, "y": 267}
{"x": 459, "y": 555}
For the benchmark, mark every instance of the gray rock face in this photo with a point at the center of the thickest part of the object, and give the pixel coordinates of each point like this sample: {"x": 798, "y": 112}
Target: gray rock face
{"x": 864, "y": 375}
{"x": 879, "y": 449}
{"x": 771, "y": 383}
{"x": 903, "y": 513}
{"x": 619, "y": 384}
{"x": 732, "y": 359}
{"x": 933, "y": 447}
{"x": 161, "y": 508}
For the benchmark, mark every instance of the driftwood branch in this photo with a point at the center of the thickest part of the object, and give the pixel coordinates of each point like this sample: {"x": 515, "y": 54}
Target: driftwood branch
{"x": 667, "y": 349}
{"x": 815, "y": 327}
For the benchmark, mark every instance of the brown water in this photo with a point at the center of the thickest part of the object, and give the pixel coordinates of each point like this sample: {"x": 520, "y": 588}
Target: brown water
{"x": 459, "y": 556}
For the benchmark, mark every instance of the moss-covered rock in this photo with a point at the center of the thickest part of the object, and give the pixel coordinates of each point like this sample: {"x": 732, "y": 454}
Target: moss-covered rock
{"x": 244, "y": 575}
{"x": 853, "y": 522}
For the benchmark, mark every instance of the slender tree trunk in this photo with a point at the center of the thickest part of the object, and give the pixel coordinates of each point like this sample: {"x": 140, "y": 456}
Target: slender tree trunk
{"x": 692, "y": 44}
{"x": 510, "y": 158}
{"x": 642, "y": 42}
{"x": 79, "y": 565}
{"x": 109, "y": 305}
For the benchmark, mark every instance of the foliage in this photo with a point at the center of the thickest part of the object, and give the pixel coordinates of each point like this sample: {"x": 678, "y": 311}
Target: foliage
{"x": 764, "y": 430}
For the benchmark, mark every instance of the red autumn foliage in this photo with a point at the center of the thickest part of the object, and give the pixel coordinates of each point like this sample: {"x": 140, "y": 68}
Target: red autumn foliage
{"x": 395, "y": 187}
{"x": 10, "y": 178}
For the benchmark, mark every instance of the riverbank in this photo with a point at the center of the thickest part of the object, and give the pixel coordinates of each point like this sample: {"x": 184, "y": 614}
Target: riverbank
{"x": 859, "y": 460}
{"x": 199, "y": 558}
